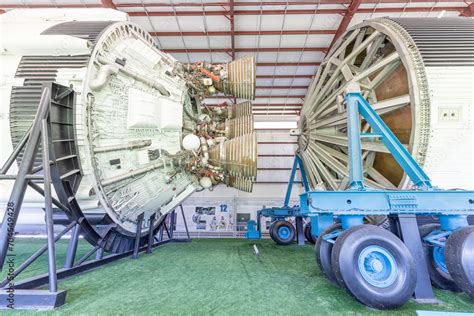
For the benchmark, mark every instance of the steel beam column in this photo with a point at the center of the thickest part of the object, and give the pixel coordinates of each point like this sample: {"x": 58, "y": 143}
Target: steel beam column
{"x": 138, "y": 235}
{"x": 160, "y": 232}
{"x": 150, "y": 232}
{"x": 48, "y": 203}
{"x": 406, "y": 228}
{"x": 172, "y": 223}
{"x": 99, "y": 254}
{"x": 185, "y": 222}
{"x": 299, "y": 230}
{"x": 72, "y": 246}
{"x": 355, "y": 151}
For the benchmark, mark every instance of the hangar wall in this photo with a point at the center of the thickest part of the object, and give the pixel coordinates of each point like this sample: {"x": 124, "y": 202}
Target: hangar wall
{"x": 275, "y": 159}
{"x": 224, "y": 212}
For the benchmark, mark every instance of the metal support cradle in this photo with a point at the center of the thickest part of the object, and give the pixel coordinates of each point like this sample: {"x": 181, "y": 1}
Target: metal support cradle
{"x": 25, "y": 294}
{"x": 352, "y": 205}
{"x": 279, "y": 214}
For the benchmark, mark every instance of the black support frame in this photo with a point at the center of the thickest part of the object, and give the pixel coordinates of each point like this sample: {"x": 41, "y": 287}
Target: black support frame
{"x": 26, "y": 294}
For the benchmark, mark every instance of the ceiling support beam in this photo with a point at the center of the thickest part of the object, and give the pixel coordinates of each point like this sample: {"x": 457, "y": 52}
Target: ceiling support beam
{"x": 277, "y": 105}
{"x": 282, "y": 87}
{"x": 223, "y": 97}
{"x": 284, "y": 77}
{"x": 245, "y": 50}
{"x": 288, "y": 64}
{"x": 282, "y": 109}
{"x": 351, "y": 10}
{"x": 109, "y": 4}
{"x": 232, "y": 28}
{"x": 238, "y": 12}
{"x": 262, "y": 3}
{"x": 256, "y": 105}
{"x": 269, "y": 3}
{"x": 468, "y": 11}
{"x": 232, "y": 34}
{"x": 309, "y": 11}
{"x": 246, "y": 33}
{"x": 298, "y": 11}
{"x": 280, "y": 64}
{"x": 138, "y": 4}
{"x": 237, "y": 3}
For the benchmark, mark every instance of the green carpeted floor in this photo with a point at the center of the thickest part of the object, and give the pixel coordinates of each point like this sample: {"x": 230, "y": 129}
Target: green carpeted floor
{"x": 215, "y": 277}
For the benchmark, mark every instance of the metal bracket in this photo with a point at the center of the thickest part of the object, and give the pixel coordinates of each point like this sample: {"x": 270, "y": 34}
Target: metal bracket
{"x": 331, "y": 237}
{"x": 437, "y": 238}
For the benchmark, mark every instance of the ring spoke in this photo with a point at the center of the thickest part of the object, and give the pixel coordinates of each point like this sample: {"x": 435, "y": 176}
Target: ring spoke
{"x": 367, "y": 57}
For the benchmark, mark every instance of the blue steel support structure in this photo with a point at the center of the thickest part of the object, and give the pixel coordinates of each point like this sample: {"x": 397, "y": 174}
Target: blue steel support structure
{"x": 280, "y": 213}
{"x": 451, "y": 206}
{"x": 297, "y": 163}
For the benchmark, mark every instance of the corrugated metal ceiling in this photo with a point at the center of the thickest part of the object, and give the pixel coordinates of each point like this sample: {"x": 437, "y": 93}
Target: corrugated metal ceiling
{"x": 288, "y": 38}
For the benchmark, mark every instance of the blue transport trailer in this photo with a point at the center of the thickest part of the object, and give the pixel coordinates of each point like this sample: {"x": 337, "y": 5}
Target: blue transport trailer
{"x": 384, "y": 268}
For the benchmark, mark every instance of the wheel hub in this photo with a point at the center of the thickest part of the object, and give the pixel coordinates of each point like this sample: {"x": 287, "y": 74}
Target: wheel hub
{"x": 284, "y": 232}
{"x": 377, "y": 266}
{"x": 303, "y": 138}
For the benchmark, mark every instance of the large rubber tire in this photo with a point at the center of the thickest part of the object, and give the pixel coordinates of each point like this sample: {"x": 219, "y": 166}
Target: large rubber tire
{"x": 322, "y": 251}
{"x": 283, "y": 233}
{"x": 270, "y": 230}
{"x": 307, "y": 233}
{"x": 439, "y": 274}
{"x": 374, "y": 266}
{"x": 459, "y": 256}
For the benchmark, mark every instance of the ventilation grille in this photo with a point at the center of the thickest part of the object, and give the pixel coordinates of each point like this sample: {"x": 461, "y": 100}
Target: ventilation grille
{"x": 86, "y": 30}
{"x": 24, "y": 100}
{"x": 37, "y": 70}
{"x": 442, "y": 42}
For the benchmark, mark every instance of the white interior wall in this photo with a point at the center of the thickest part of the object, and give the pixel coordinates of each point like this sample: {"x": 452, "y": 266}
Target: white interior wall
{"x": 276, "y": 150}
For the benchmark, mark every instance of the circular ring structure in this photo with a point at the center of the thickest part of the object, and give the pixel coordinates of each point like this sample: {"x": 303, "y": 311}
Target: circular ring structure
{"x": 406, "y": 69}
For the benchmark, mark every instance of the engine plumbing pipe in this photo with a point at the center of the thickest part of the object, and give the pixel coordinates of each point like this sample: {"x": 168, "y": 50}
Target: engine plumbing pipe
{"x": 132, "y": 173}
{"x": 204, "y": 150}
{"x": 150, "y": 82}
{"x": 130, "y": 145}
{"x": 103, "y": 76}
